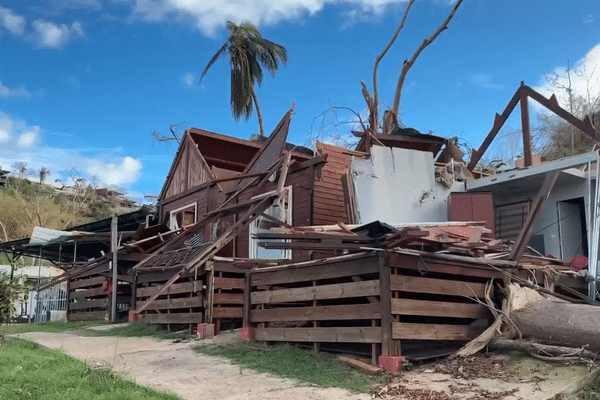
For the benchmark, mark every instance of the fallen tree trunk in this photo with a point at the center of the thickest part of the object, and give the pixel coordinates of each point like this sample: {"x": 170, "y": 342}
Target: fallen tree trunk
{"x": 554, "y": 321}
{"x": 543, "y": 351}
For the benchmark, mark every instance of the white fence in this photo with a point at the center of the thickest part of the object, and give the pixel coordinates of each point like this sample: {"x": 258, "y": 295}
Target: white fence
{"x": 50, "y": 304}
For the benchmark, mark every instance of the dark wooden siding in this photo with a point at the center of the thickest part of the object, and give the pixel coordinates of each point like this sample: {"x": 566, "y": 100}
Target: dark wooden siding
{"x": 188, "y": 171}
{"x": 328, "y": 201}
{"x": 200, "y": 197}
{"x": 302, "y": 188}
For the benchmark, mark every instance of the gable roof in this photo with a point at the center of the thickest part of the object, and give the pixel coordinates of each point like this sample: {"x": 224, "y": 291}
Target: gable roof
{"x": 223, "y": 152}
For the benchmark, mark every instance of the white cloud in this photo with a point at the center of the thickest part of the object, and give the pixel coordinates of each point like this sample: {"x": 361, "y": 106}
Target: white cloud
{"x": 21, "y": 142}
{"x": 126, "y": 172}
{"x": 189, "y": 80}
{"x": 584, "y": 78}
{"x": 29, "y": 137}
{"x": 44, "y": 33}
{"x": 20, "y": 91}
{"x": 55, "y": 36}
{"x": 6, "y": 128}
{"x": 14, "y": 23}
{"x": 485, "y": 81}
{"x": 211, "y": 15}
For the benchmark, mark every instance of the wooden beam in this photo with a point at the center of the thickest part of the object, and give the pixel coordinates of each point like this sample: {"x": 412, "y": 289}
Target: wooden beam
{"x": 315, "y": 271}
{"x": 184, "y": 302}
{"x": 247, "y": 313}
{"x": 525, "y": 126}
{"x": 173, "y": 318}
{"x": 527, "y": 231}
{"x": 417, "y": 284}
{"x": 221, "y": 242}
{"x": 551, "y": 104}
{"x": 499, "y": 121}
{"x": 332, "y": 291}
{"x": 438, "y": 309}
{"x": 318, "y": 313}
{"x": 462, "y": 333}
{"x": 388, "y": 347}
{"x": 330, "y": 335}
{"x": 184, "y": 287}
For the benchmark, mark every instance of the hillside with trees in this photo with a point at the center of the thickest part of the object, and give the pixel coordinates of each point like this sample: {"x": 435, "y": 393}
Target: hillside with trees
{"x": 25, "y": 204}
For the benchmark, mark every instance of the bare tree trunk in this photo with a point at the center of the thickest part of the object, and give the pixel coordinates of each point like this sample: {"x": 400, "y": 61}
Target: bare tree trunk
{"x": 409, "y": 62}
{"x": 258, "y": 113}
{"x": 554, "y": 321}
{"x": 374, "y": 113}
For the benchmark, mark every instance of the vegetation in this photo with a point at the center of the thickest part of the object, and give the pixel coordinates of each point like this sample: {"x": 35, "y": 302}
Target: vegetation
{"x": 136, "y": 329}
{"x": 248, "y": 52}
{"x": 29, "y": 372}
{"x": 561, "y": 139}
{"x": 321, "y": 369}
{"x": 390, "y": 120}
{"x": 10, "y": 290}
{"x": 49, "y": 326}
{"x": 26, "y": 204}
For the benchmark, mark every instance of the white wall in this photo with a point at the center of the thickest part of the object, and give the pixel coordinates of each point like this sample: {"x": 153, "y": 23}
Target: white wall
{"x": 548, "y": 224}
{"x": 398, "y": 186}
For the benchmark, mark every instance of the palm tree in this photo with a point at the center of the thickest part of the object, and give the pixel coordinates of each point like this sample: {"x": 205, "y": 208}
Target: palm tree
{"x": 248, "y": 53}
{"x": 44, "y": 172}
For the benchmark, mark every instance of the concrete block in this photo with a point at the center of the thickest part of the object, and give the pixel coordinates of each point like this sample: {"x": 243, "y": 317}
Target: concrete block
{"x": 205, "y": 331}
{"x": 132, "y": 317}
{"x": 247, "y": 333}
{"x": 391, "y": 364}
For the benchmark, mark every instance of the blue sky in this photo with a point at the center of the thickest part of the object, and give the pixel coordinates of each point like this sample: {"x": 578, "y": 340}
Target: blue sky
{"x": 83, "y": 83}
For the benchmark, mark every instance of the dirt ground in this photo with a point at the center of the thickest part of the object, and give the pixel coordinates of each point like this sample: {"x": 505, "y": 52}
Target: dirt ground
{"x": 176, "y": 368}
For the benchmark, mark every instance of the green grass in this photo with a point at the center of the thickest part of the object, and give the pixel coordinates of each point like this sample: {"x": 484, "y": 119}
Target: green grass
{"x": 28, "y": 372}
{"x": 47, "y": 327}
{"x": 135, "y": 329}
{"x": 321, "y": 369}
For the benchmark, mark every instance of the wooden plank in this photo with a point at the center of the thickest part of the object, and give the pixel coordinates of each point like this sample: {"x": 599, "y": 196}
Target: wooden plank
{"x": 227, "y": 312}
{"x": 78, "y": 305}
{"x": 330, "y": 335}
{"x": 88, "y": 293}
{"x": 173, "y": 318}
{"x": 319, "y": 313}
{"x": 335, "y": 269}
{"x": 228, "y": 298}
{"x": 417, "y": 284}
{"x": 154, "y": 276}
{"x": 88, "y": 316}
{"x": 185, "y": 302}
{"x": 464, "y": 333}
{"x": 87, "y": 282}
{"x": 446, "y": 264}
{"x": 333, "y": 291}
{"x": 336, "y": 213}
{"x": 527, "y": 231}
{"x": 229, "y": 283}
{"x": 246, "y": 310}
{"x": 361, "y": 365}
{"x": 185, "y": 287}
{"x": 388, "y": 347}
{"x": 438, "y": 309}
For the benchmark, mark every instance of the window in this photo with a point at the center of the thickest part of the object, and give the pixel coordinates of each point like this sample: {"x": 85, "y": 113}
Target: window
{"x": 282, "y": 210}
{"x": 182, "y": 217}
